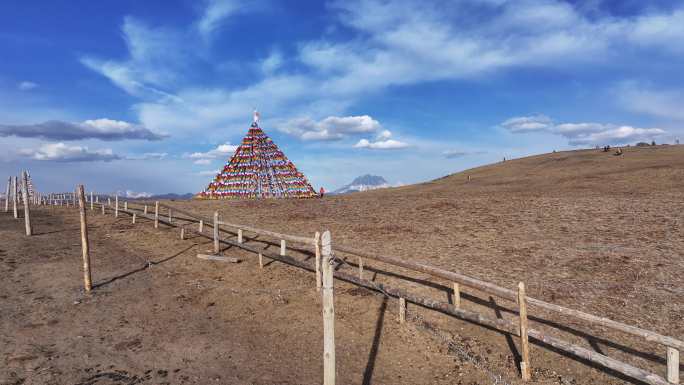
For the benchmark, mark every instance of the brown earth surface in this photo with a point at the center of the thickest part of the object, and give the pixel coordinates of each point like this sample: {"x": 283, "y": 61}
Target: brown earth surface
{"x": 583, "y": 229}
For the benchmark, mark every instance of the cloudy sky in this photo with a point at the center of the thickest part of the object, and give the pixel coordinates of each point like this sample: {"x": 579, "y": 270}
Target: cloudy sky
{"x": 154, "y": 96}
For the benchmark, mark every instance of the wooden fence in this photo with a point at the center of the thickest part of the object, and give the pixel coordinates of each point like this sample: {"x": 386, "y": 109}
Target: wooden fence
{"x": 185, "y": 218}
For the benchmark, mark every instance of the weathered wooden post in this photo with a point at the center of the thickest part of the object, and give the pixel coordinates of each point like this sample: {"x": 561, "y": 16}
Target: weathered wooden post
{"x": 317, "y": 250}
{"x": 73, "y": 198}
{"x": 156, "y": 214}
{"x": 402, "y": 310}
{"x": 116, "y": 206}
{"x": 125, "y": 205}
{"x": 97, "y": 199}
{"x": 170, "y": 217}
{"x": 673, "y": 365}
{"x": 283, "y": 249}
{"x": 92, "y": 203}
{"x": 201, "y": 226}
{"x": 182, "y": 232}
{"x": 360, "y": 268}
{"x": 216, "y": 232}
{"x": 145, "y": 211}
{"x": 239, "y": 236}
{"x": 109, "y": 201}
{"x": 457, "y": 296}
{"x": 87, "y": 279}
{"x": 103, "y": 209}
{"x": 328, "y": 313}
{"x": 7, "y": 195}
{"x": 14, "y": 196}
{"x": 525, "y": 347}
{"x": 134, "y": 218}
{"x": 27, "y": 210}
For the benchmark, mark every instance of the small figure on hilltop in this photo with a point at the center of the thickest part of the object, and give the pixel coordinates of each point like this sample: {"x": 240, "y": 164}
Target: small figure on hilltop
{"x": 606, "y": 148}
{"x": 321, "y": 192}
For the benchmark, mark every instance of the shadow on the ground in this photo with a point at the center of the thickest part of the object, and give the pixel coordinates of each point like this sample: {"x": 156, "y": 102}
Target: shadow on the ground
{"x": 372, "y": 355}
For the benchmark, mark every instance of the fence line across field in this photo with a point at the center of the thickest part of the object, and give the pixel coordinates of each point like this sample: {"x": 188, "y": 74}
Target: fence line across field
{"x": 673, "y": 345}
{"x": 519, "y": 329}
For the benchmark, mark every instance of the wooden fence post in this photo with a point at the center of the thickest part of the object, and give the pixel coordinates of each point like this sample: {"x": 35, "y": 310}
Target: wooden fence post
{"x": 402, "y": 310}
{"x": 170, "y": 217}
{"x": 457, "y": 296}
{"x": 156, "y": 214}
{"x": 87, "y": 278}
{"x": 239, "y": 236}
{"x": 7, "y": 195}
{"x": 109, "y": 201}
{"x": 145, "y": 211}
{"x": 216, "y": 232}
{"x": 14, "y": 196}
{"x": 283, "y": 248}
{"x": 27, "y": 210}
{"x": 116, "y": 206}
{"x": 92, "y": 203}
{"x": 201, "y": 226}
{"x": 133, "y": 218}
{"x": 125, "y": 205}
{"x": 328, "y": 313}
{"x": 103, "y": 209}
{"x": 673, "y": 365}
{"x": 317, "y": 248}
{"x": 182, "y": 232}
{"x": 360, "y": 268}
{"x": 261, "y": 261}
{"x": 524, "y": 344}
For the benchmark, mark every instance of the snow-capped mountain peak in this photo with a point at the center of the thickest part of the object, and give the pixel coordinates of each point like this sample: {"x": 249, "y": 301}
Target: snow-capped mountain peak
{"x": 363, "y": 183}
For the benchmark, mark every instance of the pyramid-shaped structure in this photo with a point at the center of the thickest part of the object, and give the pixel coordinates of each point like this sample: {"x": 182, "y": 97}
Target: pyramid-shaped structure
{"x": 257, "y": 170}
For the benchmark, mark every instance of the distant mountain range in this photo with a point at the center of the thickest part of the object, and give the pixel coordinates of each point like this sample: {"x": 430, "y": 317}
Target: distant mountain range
{"x": 363, "y": 183}
{"x": 174, "y": 196}
{"x": 169, "y": 196}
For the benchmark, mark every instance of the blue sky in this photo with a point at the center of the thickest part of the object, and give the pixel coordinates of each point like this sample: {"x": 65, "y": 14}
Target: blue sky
{"x": 153, "y": 96}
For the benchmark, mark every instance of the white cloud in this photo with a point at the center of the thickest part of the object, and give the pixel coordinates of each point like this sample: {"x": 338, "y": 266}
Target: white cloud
{"x": 660, "y": 30}
{"x": 583, "y": 133}
{"x": 216, "y": 12}
{"x": 330, "y": 128}
{"x": 272, "y": 63}
{"x": 381, "y": 142}
{"x": 27, "y": 86}
{"x": 156, "y": 56}
{"x": 528, "y": 123}
{"x": 148, "y": 156}
{"x": 393, "y": 43}
{"x": 407, "y": 42}
{"x": 221, "y": 151}
{"x": 453, "y": 154}
{"x": 664, "y": 103}
{"x": 617, "y": 135}
{"x": 61, "y": 152}
{"x": 208, "y": 173}
{"x": 136, "y": 195}
{"x": 103, "y": 129}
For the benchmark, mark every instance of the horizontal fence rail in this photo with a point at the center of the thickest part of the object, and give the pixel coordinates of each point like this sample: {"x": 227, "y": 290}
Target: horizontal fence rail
{"x": 287, "y": 237}
{"x": 512, "y": 295}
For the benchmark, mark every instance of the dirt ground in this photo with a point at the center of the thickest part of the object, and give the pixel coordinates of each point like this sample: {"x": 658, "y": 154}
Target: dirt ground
{"x": 585, "y": 229}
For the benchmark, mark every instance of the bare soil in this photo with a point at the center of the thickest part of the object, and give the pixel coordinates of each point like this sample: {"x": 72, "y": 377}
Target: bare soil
{"x": 584, "y": 229}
